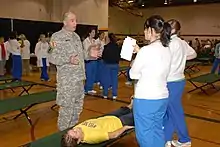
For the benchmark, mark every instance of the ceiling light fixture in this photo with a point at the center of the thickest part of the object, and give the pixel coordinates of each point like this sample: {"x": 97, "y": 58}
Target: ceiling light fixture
{"x": 130, "y": 1}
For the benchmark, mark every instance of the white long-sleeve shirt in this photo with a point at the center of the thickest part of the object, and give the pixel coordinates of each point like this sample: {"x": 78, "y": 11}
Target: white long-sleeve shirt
{"x": 25, "y": 54}
{"x": 87, "y": 43}
{"x": 180, "y": 50}
{"x": 13, "y": 46}
{"x": 151, "y": 68}
{"x": 41, "y": 50}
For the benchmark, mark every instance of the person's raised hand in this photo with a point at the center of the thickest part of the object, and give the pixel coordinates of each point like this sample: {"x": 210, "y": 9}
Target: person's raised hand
{"x": 136, "y": 48}
{"x": 74, "y": 59}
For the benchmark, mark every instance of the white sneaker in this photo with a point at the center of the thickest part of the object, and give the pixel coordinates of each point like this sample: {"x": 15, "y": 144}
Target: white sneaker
{"x": 176, "y": 143}
{"x": 105, "y": 97}
{"x": 92, "y": 92}
{"x": 114, "y": 97}
{"x": 168, "y": 144}
{"x": 128, "y": 83}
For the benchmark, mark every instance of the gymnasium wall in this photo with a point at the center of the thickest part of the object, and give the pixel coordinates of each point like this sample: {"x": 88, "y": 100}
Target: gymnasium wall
{"x": 196, "y": 20}
{"x": 93, "y": 12}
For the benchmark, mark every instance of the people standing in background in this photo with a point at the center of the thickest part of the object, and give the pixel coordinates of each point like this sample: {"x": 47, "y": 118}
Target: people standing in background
{"x": 67, "y": 53}
{"x": 174, "y": 120}
{"x": 100, "y": 41}
{"x": 90, "y": 64}
{"x": 217, "y": 59}
{"x": 111, "y": 58}
{"x": 25, "y": 54}
{"x": 3, "y": 56}
{"x": 41, "y": 51}
{"x": 151, "y": 68}
{"x": 14, "y": 47}
{"x": 197, "y": 45}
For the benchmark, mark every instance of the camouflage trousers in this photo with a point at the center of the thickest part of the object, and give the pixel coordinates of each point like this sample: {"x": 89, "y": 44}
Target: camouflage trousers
{"x": 70, "y": 99}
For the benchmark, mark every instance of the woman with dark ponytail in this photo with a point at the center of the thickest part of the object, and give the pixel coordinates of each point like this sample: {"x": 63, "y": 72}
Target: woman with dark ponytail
{"x": 174, "y": 118}
{"x": 151, "y": 68}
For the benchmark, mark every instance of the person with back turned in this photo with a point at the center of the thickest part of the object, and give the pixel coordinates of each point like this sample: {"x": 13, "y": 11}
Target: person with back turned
{"x": 66, "y": 52}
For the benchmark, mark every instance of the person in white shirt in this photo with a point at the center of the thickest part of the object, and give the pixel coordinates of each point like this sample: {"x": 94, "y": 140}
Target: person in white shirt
{"x": 41, "y": 51}
{"x": 25, "y": 54}
{"x": 14, "y": 47}
{"x": 100, "y": 41}
{"x": 174, "y": 118}
{"x": 91, "y": 64}
{"x": 3, "y": 56}
{"x": 151, "y": 68}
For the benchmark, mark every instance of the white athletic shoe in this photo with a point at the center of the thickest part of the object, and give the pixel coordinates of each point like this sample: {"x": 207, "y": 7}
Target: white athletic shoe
{"x": 105, "y": 97}
{"x": 176, "y": 143}
{"x": 114, "y": 97}
{"x": 92, "y": 92}
{"x": 128, "y": 83}
{"x": 168, "y": 144}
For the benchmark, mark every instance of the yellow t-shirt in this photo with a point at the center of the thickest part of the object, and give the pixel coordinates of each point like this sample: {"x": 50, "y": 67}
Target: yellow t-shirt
{"x": 96, "y": 130}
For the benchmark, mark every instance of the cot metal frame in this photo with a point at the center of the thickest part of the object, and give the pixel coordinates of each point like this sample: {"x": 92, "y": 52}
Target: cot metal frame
{"x": 23, "y": 112}
{"x": 26, "y": 90}
{"x": 201, "y": 88}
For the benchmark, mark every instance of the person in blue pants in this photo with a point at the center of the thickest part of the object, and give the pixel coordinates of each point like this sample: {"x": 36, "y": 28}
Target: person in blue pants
{"x": 14, "y": 47}
{"x": 174, "y": 120}
{"x": 41, "y": 51}
{"x": 216, "y": 63}
{"x": 151, "y": 68}
{"x": 90, "y": 64}
{"x": 100, "y": 41}
{"x": 111, "y": 57}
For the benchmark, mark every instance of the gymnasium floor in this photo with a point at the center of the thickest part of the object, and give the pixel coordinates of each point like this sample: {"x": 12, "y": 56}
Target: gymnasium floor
{"x": 204, "y": 132}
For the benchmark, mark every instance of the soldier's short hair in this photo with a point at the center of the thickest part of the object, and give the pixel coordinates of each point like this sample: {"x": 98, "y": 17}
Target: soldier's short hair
{"x": 68, "y": 141}
{"x": 66, "y": 15}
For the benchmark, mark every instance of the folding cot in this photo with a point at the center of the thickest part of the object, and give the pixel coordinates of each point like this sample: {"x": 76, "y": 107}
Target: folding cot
{"x": 205, "y": 80}
{"x": 54, "y": 140}
{"x": 192, "y": 67}
{"x": 6, "y": 79}
{"x": 17, "y": 84}
{"x": 123, "y": 70}
{"x": 25, "y": 102}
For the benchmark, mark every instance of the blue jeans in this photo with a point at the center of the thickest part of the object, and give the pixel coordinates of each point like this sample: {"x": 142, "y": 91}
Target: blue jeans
{"x": 148, "y": 118}
{"x": 91, "y": 68}
{"x": 16, "y": 67}
{"x": 174, "y": 119}
{"x": 215, "y": 66}
{"x": 44, "y": 74}
{"x": 110, "y": 73}
{"x": 125, "y": 115}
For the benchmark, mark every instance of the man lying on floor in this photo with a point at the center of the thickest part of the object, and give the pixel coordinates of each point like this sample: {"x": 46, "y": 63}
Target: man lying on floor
{"x": 101, "y": 129}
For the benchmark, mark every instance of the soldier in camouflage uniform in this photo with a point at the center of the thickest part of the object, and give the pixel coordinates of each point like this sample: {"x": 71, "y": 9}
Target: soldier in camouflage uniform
{"x": 67, "y": 54}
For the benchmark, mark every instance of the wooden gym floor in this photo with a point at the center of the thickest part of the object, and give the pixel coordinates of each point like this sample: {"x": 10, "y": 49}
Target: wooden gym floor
{"x": 203, "y": 115}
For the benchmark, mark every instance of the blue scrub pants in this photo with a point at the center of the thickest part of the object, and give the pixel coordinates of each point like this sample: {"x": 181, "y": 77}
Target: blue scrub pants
{"x": 215, "y": 66}
{"x": 99, "y": 71}
{"x": 148, "y": 118}
{"x": 16, "y": 67}
{"x": 44, "y": 74}
{"x": 110, "y": 78}
{"x": 174, "y": 119}
{"x": 91, "y": 69}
